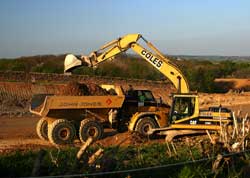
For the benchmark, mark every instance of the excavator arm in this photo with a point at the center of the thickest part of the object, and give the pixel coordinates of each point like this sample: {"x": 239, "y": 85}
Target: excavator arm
{"x": 130, "y": 41}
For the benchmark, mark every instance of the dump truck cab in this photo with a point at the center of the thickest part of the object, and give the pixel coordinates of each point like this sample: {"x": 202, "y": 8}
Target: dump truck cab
{"x": 140, "y": 98}
{"x": 138, "y": 101}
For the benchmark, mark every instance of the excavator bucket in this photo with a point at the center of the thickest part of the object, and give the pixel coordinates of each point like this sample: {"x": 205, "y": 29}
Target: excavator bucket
{"x": 71, "y": 62}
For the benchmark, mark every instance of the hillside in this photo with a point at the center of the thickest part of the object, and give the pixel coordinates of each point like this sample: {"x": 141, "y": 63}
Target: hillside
{"x": 201, "y": 71}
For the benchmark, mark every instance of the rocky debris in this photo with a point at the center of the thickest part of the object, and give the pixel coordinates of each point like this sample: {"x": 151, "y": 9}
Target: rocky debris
{"x": 227, "y": 99}
{"x": 83, "y": 89}
{"x": 12, "y": 103}
{"x": 14, "y": 106}
{"x": 78, "y": 89}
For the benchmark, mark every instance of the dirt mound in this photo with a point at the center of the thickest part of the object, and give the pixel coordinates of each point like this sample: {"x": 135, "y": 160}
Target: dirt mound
{"x": 82, "y": 89}
{"x": 229, "y": 99}
{"x": 235, "y": 84}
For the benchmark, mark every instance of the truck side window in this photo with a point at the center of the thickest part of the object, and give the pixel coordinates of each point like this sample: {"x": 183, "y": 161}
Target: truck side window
{"x": 141, "y": 96}
{"x": 148, "y": 96}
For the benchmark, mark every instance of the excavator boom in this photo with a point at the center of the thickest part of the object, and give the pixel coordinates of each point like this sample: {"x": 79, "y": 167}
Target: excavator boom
{"x": 130, "y": 41}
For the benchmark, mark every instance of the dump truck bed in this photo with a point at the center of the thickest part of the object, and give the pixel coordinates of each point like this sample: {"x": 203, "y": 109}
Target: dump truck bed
{"x": 41, "y": 104}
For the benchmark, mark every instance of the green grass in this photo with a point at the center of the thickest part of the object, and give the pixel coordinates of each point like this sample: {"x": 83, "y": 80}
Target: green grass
{"x": 62, "y": 162}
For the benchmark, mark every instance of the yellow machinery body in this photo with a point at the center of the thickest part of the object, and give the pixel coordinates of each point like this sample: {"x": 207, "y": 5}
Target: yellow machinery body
{"x": 149, "y": 116}
{"x": 177, "y": 118}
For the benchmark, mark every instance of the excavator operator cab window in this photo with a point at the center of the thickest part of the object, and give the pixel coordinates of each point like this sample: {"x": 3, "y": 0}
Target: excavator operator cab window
{"x": 182, "y": 107}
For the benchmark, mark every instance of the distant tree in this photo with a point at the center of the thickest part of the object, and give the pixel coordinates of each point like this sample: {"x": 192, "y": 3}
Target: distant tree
{"x": 227, "y": 68}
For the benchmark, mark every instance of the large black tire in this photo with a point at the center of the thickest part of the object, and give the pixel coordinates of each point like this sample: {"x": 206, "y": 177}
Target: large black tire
{"x": 42, "y": 129}
{"x": 61, "y": 132}
{"x": 144, "y": 125}
{"x": 90, "y": 128}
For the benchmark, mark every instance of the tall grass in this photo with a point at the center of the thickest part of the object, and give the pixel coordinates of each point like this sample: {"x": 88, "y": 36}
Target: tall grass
{"x": 63, "y": 162}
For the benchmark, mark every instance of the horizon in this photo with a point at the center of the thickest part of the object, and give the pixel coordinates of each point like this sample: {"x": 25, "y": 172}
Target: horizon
{"x": 132, "y": 54}
{"x": 191, "y": 28}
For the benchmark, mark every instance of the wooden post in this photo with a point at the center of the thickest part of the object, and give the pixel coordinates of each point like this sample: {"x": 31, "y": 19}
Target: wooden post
{"x": 221, "y": 134}
{"x": 173, "y": 146}
{"x": 216, "y": 163}
{"x": 95, "y": 156}
{"x": 209, "y": 136}
{"x": 189, "y": 149}
{"x": 243, "y": 132}
{"x": 169, "y": 150}
{"x": 235, "y": 131}
{"x": 84, "y": 147}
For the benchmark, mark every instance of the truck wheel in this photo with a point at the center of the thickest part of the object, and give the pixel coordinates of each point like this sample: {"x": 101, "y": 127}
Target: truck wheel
{"x": 42, "y": 129}
{"x": 144, "y": 125}
{"x": 61, "y": 132}
{"x": 90, "y": 128}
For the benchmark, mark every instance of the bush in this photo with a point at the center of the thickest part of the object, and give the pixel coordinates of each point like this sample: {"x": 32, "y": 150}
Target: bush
{"x": 5, "y": 64}
{"x": 17, "y": 164}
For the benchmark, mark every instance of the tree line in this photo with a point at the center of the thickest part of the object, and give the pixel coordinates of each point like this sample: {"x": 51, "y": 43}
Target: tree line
{"x": 199, "y": 73}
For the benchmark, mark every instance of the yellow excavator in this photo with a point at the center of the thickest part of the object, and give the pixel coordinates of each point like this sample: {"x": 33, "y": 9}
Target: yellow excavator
{"x": 185, "y": 117}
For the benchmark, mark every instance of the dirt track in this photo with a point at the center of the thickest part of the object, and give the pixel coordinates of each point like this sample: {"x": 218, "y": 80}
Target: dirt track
{"x": 19, "y": 133}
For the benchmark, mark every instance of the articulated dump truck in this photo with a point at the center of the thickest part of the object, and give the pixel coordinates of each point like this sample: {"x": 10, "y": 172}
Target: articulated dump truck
{"x": 66, "y": 118}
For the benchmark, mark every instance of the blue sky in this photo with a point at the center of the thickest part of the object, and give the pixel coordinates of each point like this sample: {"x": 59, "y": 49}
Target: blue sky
{"x": 191, "y": 27}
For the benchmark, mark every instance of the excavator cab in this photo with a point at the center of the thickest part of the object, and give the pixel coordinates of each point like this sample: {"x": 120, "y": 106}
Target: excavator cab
{"x": 184, "y": 108}
{"x": 185, "y": 114}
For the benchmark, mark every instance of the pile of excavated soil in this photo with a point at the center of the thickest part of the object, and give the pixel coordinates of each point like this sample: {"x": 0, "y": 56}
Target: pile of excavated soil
{"x": 13, "y": 104}
{"x": 83, "y": 89}
{"x": 228, "y": 99}
{"x": 234, "y": 84}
